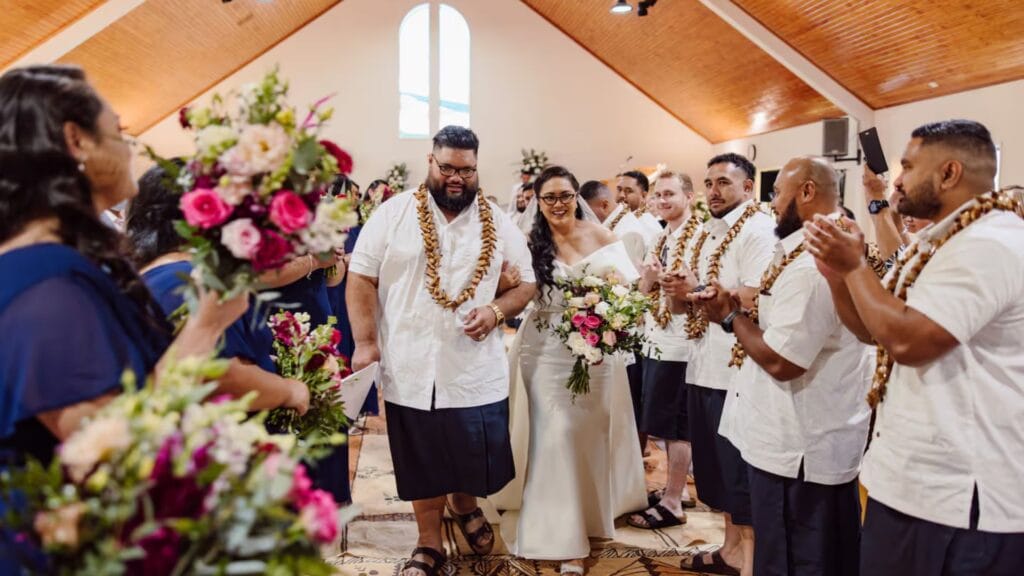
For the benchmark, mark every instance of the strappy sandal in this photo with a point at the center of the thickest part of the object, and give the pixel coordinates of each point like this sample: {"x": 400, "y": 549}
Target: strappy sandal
{"x": 718, "y": 565}
{"x": 474, "y": 537}
{"x": 438, "y": 557}
{"x": 667, "y": 520}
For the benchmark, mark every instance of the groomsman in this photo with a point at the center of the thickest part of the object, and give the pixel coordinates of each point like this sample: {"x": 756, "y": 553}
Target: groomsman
{"x": 944, "y": 467}
{"x": 632, "y": 190}
{"x": 797, "y": 409}
{"x": 734, "y": 248}
{"x": 420, "y": 288}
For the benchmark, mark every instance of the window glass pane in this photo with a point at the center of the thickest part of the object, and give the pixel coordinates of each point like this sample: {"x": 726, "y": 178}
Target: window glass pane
{"x": 414, "y": 73}
{"x": 454, "y": 67}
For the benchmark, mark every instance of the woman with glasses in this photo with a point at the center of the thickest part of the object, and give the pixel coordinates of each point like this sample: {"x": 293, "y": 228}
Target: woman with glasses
{"x": 73, "y": 312}
{"x": 583, "y": 466}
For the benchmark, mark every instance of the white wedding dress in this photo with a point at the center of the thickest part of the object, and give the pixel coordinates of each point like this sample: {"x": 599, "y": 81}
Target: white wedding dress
{"x": 578, "y": 464}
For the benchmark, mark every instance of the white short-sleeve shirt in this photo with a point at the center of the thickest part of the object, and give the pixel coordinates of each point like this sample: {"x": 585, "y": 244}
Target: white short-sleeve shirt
{"x": 958, "y": 421}
{"x": 632, "y": 233}
{"x": 423, "y": 346}
{"x": 742, "y": 264}
{"x": 670, "y": 342}
{"x": 821, "y": 418}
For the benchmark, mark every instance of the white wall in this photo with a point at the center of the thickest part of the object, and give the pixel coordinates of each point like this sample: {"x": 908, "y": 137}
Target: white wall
{"x": 997, "y": 107}
{"x": 531, "y": 87}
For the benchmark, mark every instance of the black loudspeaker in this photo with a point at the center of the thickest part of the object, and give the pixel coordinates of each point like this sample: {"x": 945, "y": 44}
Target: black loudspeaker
{"x": 836, "y": 137}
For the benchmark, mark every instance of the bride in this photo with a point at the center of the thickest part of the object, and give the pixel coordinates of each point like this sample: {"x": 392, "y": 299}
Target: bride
{"x": 583, "y": 467}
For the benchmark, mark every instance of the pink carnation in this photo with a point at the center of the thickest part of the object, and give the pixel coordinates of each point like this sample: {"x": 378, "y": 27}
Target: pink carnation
{"x": 592, "y": 321}
{"x": 241, "y": 238}
{"x": 204, "y": 208}
{"x": 289, "y": 212}
{"x": 593, "y": 338}
{"x": 319, "y": 517}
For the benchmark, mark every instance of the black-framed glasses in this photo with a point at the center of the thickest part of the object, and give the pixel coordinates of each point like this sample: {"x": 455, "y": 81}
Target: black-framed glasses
{"x": 449, "y": 170}
{"x": 552, "y": 199}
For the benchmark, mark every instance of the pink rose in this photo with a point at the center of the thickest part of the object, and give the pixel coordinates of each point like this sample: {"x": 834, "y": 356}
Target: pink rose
{"x": 289, "y": 212}
{"x": 592, "y": 321}
{"x": 609, "y": 338}
{"x": 273, "y": 251}
{"x": 241, "y": 238}
{"x": 302, "y": 487}
{"x": 593, "y": 338}
{"x": 578, "y": 320}
{"x": 204, "y": 208}
{"x": 319, "y": 517}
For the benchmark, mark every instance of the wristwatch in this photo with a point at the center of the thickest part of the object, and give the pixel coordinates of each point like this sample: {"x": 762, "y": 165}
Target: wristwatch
{"x": 726, "y": 323}
{"x": 876, "y": 206}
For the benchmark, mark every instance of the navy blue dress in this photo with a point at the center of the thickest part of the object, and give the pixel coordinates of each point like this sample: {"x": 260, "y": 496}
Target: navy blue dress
{"x": 347, "y": 345}
{"x": 67, "y": 334}
{"x": 249, "y": 337}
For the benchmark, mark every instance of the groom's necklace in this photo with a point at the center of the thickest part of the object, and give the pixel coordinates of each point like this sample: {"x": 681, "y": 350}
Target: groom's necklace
{"x": 432, "y": 248}
{"x": 617, "y": 219}
{"x": 697, "y": 322}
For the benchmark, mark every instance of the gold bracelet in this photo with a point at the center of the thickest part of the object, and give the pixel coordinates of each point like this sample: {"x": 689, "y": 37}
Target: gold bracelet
{"x": 498, "y": 314}
{"x": 311, "y": 262}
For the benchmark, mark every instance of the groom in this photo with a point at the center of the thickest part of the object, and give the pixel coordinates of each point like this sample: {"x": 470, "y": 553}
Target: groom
{"x": 421, "y": 295}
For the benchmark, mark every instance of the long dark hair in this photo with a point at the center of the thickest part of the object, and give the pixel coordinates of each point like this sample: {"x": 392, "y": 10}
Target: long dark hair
{"x": 151, "y": 216}
{"x": 40, "y": 179}
{"x": 542, "y": 246}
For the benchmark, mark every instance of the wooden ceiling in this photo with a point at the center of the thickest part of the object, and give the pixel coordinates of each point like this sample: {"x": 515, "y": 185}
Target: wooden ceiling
{"x": 25, "y": 25}
{"x": 694, "y": 64}
{"x": 888, "y": 51}
{"x": 165, "y": 53}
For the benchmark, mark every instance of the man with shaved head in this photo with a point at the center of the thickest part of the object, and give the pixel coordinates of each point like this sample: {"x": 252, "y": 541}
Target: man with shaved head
{"x": 796, "y": 410}
{"x": 944, "y": 468}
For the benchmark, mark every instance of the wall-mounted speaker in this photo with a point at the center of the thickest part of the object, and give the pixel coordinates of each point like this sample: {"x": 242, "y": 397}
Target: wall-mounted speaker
{"x": 836, "y": 137}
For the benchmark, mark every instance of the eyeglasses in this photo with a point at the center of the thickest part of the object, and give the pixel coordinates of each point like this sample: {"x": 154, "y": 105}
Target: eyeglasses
{"x": 131, "y": 142}
{"x": 449, "y": 170}
{"x": 552, "y": 199}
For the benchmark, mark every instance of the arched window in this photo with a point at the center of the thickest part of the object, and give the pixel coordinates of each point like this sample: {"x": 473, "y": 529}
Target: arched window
{"x": 427, "y": 30}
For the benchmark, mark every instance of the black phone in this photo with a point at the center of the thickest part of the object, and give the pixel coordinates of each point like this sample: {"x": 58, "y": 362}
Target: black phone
{"x": 873, "y": 151}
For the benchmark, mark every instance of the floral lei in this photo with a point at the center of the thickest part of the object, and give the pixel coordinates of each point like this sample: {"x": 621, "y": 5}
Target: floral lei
{"x": 432, "y": 248}
{"x": 617, "y": 219}
{"x": 767, "y": 281}
{"x": 697, "y": 322}
{"x": 663, "y": 315}
{"x": 986, "y": 203}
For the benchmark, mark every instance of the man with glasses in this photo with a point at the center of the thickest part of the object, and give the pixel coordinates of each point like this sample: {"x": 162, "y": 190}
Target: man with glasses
{"x": 421, "y": 294}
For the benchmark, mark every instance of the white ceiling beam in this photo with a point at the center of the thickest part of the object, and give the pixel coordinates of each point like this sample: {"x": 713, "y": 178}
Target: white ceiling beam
{"x": 803, "y": 68}
{"x": 76, "y": 33}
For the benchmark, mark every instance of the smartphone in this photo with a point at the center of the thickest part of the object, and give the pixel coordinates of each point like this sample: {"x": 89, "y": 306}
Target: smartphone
{"x": 873, "y": 151}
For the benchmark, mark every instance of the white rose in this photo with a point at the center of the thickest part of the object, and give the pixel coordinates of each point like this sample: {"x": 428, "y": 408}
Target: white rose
{"x": 602, "y": 308}
{"x": 592, "y": 281}
{"x": 620, "y": 290}
{"x": 214, "y": 139}
{"x": 577, "y": 302}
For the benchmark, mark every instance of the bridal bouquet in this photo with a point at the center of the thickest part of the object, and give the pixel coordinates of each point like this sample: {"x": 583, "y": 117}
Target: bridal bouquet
{"x": 312, "y": 357}
{"x": 167, "y": 480}
{"x": 600, "y": 319}
{"x": 253, "y": 194}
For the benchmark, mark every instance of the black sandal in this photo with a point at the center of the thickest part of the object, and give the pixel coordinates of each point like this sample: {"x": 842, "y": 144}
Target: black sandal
{"x": 667, "y": 520}
{"x": 718, "y": 565}
{"x": 474, "y": 537}
{"x": 439, "y": 559}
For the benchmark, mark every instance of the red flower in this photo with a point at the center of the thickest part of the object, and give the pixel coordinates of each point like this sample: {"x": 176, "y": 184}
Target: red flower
{"x": 335, "y": 337}
{"x": 183, "y": 118}
{"x": 343, "y": 158}
{"x": 272, "y": 253}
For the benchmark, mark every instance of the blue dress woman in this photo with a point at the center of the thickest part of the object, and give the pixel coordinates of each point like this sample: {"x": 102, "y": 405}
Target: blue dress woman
{"x": 73, "y": 312}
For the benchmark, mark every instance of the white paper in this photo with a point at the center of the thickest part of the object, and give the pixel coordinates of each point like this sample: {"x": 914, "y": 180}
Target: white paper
{"x": 356, "y": 388}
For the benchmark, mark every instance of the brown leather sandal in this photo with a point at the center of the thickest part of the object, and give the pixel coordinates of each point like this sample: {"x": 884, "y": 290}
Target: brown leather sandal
{"x": 474, "y": 537}
{"x": 438, "y": 557}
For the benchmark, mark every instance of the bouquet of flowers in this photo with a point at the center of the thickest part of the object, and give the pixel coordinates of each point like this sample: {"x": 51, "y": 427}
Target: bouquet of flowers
{"x": 397, "y": 177}
{"x": 533, "y": 162}
{"x": 600, "y": 318}
{"x": 253, "y": 195}
{"x": 312, "y": 357}
{"x": 165, "y": 480}
{"x": 373, "y": 199}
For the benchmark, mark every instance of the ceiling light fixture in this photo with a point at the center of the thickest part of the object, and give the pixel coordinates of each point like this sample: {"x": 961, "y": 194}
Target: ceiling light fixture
{"x": 643, "y": 5}
{"x": 621, "y": 7}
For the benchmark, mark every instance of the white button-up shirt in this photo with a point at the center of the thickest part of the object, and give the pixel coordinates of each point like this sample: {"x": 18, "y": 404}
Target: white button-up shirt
{"x": 671, "y": 340}
{"x": 958, "y": 421}
{"x": 423, "y": 346}
{"x": 652, "y": 225}
{"x": 632, "y": 233}
{"x": 742, "y": 264}
{"x": 820, "y": 418}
